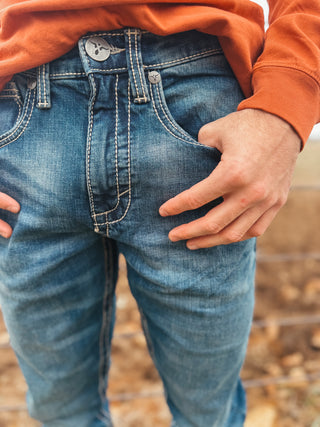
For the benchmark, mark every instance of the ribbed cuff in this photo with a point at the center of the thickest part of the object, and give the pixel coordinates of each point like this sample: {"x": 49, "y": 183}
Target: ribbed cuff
{"x": 288, "y": 93}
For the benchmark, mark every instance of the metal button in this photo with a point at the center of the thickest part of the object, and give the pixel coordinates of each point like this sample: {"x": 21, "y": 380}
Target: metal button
{"x": 98, "y": 48}
{"x": 154, "y": 77}
{"x": 32, "y": 83}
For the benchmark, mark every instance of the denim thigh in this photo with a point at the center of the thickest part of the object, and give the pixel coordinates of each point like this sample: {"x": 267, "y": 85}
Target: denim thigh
{"x": 91, "y": 145}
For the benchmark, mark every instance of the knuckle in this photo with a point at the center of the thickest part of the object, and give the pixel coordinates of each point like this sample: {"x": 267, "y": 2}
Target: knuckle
{"x": 238, "y": 176}
{"x": 259, "y": 192}
{"x": 232, "y": 236}
{"x": 192, "y": 201}
{"x": 212, "y": 227}
{"x": 255, "y": 231}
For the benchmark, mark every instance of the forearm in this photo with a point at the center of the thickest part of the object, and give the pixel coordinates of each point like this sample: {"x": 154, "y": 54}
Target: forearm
{"x": 286, "y": 77}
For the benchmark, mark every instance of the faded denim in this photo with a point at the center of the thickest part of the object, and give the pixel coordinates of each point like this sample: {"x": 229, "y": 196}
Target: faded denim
{"x": 91, "y": 149}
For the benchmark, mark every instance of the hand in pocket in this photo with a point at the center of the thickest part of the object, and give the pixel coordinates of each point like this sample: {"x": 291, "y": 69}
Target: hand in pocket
{"x": 9, "y": 204}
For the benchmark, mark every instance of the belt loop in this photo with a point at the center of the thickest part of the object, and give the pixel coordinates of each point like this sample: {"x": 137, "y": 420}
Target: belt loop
{"x": 138, "y": 82}
{"x": 43, "y": 87}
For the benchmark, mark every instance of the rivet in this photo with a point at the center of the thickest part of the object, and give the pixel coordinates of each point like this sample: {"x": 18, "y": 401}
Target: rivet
{"x": 154, "y": 77}
{"x": 32, "y": 83}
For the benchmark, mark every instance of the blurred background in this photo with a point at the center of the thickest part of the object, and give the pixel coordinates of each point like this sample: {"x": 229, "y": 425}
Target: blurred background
{"x": 282, "y": 369}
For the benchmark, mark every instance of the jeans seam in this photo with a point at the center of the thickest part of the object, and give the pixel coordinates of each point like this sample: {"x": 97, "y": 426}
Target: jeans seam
{"x": 116, "y": 150}
{"x": 129, "y": 168}
{"x": 22, "y": 118}
{"x": 104, "y": 350}
{"x": 131, "y": 63}
{"x": 89, "y": 153}
{"x": 108, "y": 69}
{"x": 182, "y": 134}
{"x": 53, "y": 75}
{"x": 163, "y": 124}
{"x": 144, "y": 98}
{"x": 42, "y": 82}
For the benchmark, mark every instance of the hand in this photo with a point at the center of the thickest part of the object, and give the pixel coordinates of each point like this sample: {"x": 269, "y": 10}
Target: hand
{"x": 9, "y": 204}
{"x": 259, "y": 151}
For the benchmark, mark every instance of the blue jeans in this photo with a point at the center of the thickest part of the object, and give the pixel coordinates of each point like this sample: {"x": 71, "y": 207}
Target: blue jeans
{"x": 91, "y": 145}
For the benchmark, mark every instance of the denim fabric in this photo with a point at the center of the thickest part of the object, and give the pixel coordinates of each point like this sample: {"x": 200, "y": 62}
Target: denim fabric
{"x": 91, "y": 149}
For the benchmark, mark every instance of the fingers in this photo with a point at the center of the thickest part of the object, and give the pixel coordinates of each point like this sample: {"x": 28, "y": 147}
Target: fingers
{"x": 217, "y": 184}
{"x": 5, "y": 229}
{"x": 216, "y": 219}
{"x": 241, "y": 229}
{"x": 8, "y": 203}
{"x": 11, "y": 205}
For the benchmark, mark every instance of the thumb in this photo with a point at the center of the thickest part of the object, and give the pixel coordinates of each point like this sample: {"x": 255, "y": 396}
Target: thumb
{"x": 209, "y": 135}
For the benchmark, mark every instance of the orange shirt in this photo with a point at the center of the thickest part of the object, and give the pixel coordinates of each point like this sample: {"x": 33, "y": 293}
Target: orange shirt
{"x": 278, "y": 73}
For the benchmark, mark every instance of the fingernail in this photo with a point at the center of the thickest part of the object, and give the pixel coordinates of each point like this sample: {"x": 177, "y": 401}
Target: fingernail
{"x": 192, "y": 246}
{"x": 5, "y": 234}
{"x": 163, "y": 212}
{"x": 173, "y": 238}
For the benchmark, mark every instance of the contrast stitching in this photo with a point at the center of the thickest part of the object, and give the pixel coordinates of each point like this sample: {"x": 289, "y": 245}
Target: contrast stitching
{"x": 39, "y": 86}
{"x": 84, "y": 54}
{"x": 20, "y": 106}
{"x": 186, "y": 57}
{"x": 116, "y": 150}
{"x": 123, "y": 193}
{"x": 24, "y": 128}
{"x": 131, "y": 63}
{"x": 102, "y": 34}
{"x": 129, "y": 167}
{"x": 167, "y": 129}
{"x": 67, "y": 74}
{"x": 10, "y": 90}
{"x": 180, "y": 131}
{"x": 107, "y": 69}
{"x": 89, "y": 152}
{"x": 9, "y": 96}
{"x": 139, "y": 70}
{"x": 113, "y": 34}
{"x": 44, "y": 85}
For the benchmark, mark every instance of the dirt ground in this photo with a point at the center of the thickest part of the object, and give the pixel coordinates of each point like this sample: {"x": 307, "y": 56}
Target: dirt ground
{"x": 282, "y": 369}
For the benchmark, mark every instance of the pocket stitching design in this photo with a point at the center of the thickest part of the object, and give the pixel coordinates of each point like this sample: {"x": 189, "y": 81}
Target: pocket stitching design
{"x": 173, "y": 124}
{"x": 188, "y": 141}
{"x": 19, "y": 123}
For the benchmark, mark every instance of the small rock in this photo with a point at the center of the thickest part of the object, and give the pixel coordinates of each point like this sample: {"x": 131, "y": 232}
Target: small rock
{"x": 315, "y": 339}
{"x": 297, "y": 373}
{"x": 290, "y": 293}
{"x": 292, "y": 360}
{"x": 263, "y": 415}
{"x": 272, "y": 331}
{"x": 312, "y": 365}
{"x": 274, "y": 370}
{"x": 312, "y": 288}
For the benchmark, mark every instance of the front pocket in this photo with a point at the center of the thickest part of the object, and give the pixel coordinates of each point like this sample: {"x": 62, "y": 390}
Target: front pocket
{"x": 181, "y": 105}
{"x": 15, "y": 112}
{"x": 187, "y": 96}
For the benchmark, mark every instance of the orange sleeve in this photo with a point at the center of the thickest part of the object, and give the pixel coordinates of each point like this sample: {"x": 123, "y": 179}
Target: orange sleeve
{"x": 286, "y": 77}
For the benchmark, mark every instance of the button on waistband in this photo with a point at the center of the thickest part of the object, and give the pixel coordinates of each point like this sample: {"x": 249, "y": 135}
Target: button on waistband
{"x": 98, "y": 48}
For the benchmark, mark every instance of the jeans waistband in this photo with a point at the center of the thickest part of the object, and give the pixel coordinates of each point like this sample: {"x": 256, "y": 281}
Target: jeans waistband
{"x": 129, "y": 50}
